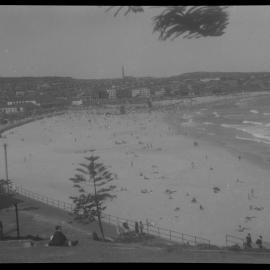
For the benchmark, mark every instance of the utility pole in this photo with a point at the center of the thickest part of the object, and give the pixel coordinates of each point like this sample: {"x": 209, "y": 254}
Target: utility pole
{"x": 6, "y": 165}
{"x": 17, "y": 220}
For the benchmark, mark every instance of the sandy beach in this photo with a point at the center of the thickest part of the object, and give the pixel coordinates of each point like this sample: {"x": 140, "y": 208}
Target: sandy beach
{"x": 176, "y": 181}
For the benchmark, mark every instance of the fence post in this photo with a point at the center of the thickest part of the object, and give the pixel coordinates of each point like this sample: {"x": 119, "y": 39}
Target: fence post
{"x": 170, "y": 235}
{"x": 195, "y": 240}
{"x": 226, "y": 240}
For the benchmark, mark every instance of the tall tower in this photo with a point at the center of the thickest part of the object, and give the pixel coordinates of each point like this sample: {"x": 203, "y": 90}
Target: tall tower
{"x": 123, "y": 72}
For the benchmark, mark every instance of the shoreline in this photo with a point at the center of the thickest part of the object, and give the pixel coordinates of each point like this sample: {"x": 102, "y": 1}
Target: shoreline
{"x": 174, "y": 164}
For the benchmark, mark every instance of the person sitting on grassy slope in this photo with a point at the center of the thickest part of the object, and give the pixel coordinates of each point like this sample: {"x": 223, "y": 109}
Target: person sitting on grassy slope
{"x": 59, "y": 239}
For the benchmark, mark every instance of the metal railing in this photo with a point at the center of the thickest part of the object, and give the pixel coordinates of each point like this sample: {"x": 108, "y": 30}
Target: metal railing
{"x": 149, "y": 228}
{"x": 44, "y": 199}
{"x": 235, "y": 240}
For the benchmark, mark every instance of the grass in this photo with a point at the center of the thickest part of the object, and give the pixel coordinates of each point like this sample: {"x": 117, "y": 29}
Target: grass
{"x": 38, "y": 219}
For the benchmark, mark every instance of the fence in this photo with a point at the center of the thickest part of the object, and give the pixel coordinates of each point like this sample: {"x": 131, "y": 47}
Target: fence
{"x": 113, "y": 220}
{"x": 231, "y": 239}
{"x": 44, "y": 199}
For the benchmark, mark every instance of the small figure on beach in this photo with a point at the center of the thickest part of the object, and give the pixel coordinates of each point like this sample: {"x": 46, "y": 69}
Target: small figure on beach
{"x": 141, "y": 227}
{"x": 259, "y": 242}
{"x": 239, "y": 181}
{"x": 137, "y": 227}
{"x": 192, "y": 165}
{"x": 248, "y": 242}
{"x": 241, "y": 229}
{"x": 126, "y": 227}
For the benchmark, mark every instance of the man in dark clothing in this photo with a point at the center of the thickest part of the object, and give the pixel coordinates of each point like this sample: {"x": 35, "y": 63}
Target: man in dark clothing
{"x": 137, "y": 228}
{"x": 248, "y": 241}
{"x": 59, "y": 239}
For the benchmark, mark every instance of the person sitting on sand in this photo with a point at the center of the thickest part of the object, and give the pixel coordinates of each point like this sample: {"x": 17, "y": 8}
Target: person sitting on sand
{"x": 59, "y": 239}
{"x": 259, "y": 242}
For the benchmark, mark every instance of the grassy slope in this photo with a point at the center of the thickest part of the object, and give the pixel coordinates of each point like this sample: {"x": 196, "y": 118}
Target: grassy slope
{"x": 37, "y": 218}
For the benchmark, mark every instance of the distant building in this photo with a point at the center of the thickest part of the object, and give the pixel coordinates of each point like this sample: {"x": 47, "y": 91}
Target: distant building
{"x": 77, "y": 102}
{"x": 21, "y": 101}
{"x": 209, "y": 79}
{"x": 111, "y": 93}
{"x": 141, "y": 92}
{"x": 19, "y": 93}
{"x": 10, "y": 109}
{"x": 160, "y": 93}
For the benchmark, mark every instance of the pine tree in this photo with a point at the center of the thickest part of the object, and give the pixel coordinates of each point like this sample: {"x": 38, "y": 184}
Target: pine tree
{"x": 91, "y": 182}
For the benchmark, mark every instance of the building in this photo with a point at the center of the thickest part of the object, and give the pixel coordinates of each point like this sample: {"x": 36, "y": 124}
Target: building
{"x": 141, "y": 92}
{"x": 21, "y": 101}
{"x": 209, "y": 79}
{"x": 11, "y": 109}
{"x": 111, "y": 93}
{"x": 160, "y": 92}
{"x": 77, "y": 102}
{"x": 19, "y": 108}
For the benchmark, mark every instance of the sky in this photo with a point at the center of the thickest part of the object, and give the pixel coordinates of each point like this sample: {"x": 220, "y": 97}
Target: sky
{"x": 87, "y": 42}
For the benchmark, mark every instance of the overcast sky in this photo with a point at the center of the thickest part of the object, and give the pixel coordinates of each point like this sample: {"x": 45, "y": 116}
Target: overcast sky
{"x": 87, "y": 42}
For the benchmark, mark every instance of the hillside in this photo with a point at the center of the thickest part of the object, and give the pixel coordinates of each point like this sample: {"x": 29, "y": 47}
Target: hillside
{"x": 36, "y": 218}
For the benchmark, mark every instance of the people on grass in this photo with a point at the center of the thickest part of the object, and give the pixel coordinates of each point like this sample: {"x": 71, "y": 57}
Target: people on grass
{"x": 59, "y": 238}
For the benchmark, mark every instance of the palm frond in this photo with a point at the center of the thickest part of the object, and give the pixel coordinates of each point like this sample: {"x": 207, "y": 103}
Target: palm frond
{"x": 194, "y": 22}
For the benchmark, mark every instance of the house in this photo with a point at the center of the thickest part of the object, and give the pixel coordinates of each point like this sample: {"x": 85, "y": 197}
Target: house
{"x": 141, "y": 92}
{"x": 18, "y": 108}
{"x": 21, "y": 101}
{"x": 11, "y": 109}
{"x": 209, "y": 79}
{"x": 111, "y": 93}
{"x": 77, "y": 102}
{"x": 160, "y": 92}
{"x": 19, "y": 93}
